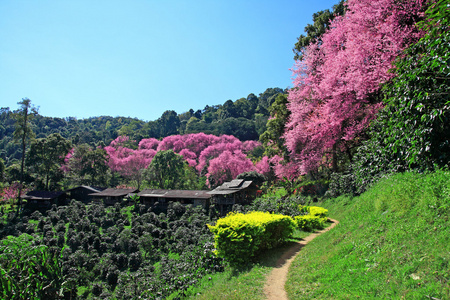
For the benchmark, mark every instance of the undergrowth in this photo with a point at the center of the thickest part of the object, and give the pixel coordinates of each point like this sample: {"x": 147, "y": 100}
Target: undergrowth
{"x": 392, "y": 242}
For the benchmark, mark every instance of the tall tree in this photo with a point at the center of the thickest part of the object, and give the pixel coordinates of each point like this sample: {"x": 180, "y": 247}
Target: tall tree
{"x": 85, "y": 165}
{"x": 413, "y": 129}
{"x": 23, "y": 133}
{"x": 46, "y": 157}
{"x": 337, "y": 84}
{"x": 169, "y": 123}
{"x": 167, "y": 171}
{"x": 272, "y": 138}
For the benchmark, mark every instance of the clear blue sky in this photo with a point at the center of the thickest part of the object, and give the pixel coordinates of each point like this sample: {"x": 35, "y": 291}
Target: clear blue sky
{"x": 140, "y": 58}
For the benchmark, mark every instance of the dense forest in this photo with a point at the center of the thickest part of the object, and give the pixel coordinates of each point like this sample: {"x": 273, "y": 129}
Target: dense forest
{"x": 371, "y": 98}
{"x": 244, "y": 118}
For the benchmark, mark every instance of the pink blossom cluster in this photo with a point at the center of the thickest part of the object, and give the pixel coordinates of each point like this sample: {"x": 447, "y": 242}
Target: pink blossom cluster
{"x": 337, "y": 83}
{"x": 210, "y": 155}
{"x": 11, "y": 192}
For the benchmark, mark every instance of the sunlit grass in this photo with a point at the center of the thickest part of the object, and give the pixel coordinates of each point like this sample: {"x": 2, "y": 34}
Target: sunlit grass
{"x": 245, "y": 283}
{"x": 392, "y": 242}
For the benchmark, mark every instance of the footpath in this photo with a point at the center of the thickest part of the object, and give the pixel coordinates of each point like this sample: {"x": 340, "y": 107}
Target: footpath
{"x": 274, "y": 287}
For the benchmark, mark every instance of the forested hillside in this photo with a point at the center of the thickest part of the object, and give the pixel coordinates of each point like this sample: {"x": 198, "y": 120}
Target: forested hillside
{"x": 245, "y": 118}
{"x": 371, "y": 101}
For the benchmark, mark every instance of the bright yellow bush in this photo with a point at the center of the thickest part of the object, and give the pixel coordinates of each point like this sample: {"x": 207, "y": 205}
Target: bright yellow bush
{"x": 318, "y": 211}
{"x": 310, "y": 222}
{"x": 239, "y": 237}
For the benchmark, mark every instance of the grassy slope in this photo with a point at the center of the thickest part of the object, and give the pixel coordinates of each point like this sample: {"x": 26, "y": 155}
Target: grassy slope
{"x": 247, "y": 283}
{"x": 392, "y": 242}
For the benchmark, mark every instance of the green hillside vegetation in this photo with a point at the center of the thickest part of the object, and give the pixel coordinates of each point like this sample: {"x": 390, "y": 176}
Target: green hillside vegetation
{"x": 391, "y": 242}
{"x": 245, "y": 118}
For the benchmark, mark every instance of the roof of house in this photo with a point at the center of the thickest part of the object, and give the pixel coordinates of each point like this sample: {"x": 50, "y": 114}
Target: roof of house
{"x": 112, "y": 192}
{"x": 90, "y": 188}
{"x": 231, "y": 187}
{"x": 187, "y": 194}
{"x": 42, "y": 195}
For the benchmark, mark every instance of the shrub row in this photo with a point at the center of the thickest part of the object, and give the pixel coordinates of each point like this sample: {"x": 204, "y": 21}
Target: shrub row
{"x": 315, "y": 219}
{"x": 240, "y": 237}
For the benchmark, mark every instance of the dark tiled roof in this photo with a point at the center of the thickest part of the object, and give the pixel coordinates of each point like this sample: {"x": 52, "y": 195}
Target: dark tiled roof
{"x": 42, "y": 195}
{"x": 112, "y": 192}
{"x": 231, "y": 187}
{"x": 187, "y": 194}
{"x": 90, "y": 188}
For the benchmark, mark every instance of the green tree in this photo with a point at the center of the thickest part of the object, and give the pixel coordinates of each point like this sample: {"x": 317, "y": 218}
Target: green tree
{"x": 272, "y": 138}
{"x": 23, "y": 133}
{"x": 169, "y": 123}
{"x": 416, "y": 117}
{"x": 169, "y": 170}
{"x": 46, "y": 156}
{"x": 87, "y": 166}
{"x": 413, "y": 130}
{"x": 2, "y": 170}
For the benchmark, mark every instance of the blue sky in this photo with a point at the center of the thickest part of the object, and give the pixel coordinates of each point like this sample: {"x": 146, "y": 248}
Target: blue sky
{"x": 140, "y": 58}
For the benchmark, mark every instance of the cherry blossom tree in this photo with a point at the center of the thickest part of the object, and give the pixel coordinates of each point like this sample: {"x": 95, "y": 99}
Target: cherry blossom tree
{"x": 227, "y": 165}
{"x": 337, "y": 83}
{"x": 128, "y": 162}
{"x": 199, "y": 150}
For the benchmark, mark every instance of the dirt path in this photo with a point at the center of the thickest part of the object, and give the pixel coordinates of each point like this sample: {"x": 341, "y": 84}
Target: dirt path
{"x": 274, "y": 288}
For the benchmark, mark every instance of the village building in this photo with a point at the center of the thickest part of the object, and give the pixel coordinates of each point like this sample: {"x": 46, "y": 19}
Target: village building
{"x": 111, "y": 196}
{"x": 161, "y": 197}
{"x": 43, "y": 199}
{"x": 237, "y": 191}
{"x": 82, "y": 193}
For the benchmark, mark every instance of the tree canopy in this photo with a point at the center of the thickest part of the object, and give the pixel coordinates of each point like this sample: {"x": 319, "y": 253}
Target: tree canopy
{"x": 337, "y": 84}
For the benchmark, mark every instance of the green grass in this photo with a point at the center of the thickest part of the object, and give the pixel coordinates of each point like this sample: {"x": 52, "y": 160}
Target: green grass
{"x": 246, "y": 283}
{"x": 392, "y": 242}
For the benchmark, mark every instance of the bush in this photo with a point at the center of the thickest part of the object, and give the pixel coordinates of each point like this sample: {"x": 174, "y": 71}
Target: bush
{"x": 239, "y": 237}
{"x": 310, "y": 222}
{"x": 318, "y": 211}
{"x": 27, "y": 270}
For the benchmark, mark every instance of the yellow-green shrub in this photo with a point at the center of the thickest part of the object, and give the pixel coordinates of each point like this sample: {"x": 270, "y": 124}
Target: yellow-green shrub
{"x": 239, "y": 237}
{"x": 318, "y": 211}
{"x": 310, "y": 222}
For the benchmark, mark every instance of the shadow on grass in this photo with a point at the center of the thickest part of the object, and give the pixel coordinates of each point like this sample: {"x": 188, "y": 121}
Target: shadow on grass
{"x": 277, "y": 257}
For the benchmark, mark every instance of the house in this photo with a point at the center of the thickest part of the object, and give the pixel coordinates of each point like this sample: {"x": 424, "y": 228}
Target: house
{"x": 111, "y": 196}
{"x": 238, "y": 191}
{"x": 43, "y": 199}
{"x": 160, "y": 197}
{"x": 82, "y": 193}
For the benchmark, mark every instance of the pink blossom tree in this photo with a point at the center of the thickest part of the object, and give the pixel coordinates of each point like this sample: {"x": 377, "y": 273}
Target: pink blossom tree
{"x": 227, "y": 165}
{"x": 11, "y": 192}
{"x": 337, "y": 83}
{"x": 198, "y": 149}
{"x": 128, "y": 162}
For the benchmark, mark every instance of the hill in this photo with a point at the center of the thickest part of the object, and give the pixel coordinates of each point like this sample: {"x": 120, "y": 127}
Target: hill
{"x": 245, "y": 118}
{"x": 392, "y": 242}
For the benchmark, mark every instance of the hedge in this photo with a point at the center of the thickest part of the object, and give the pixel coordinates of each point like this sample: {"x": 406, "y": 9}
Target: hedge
{"x": 239, "y": 237}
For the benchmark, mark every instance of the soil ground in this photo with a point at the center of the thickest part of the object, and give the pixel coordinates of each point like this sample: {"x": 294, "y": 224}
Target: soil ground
{"x": 274, "y": 287}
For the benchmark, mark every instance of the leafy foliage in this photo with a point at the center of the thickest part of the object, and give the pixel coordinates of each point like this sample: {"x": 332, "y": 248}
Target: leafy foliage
{"x": 240, "y": 237}
{"x": 45, "y": 158}
{"x": 412, "y": 131}
{"x": 29, "y": 270}
{"x": 416, "y": 119}
{"x": 322, "y": 21}
{"x": 337, "y": 84}
{"x": 120, "y": 252}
